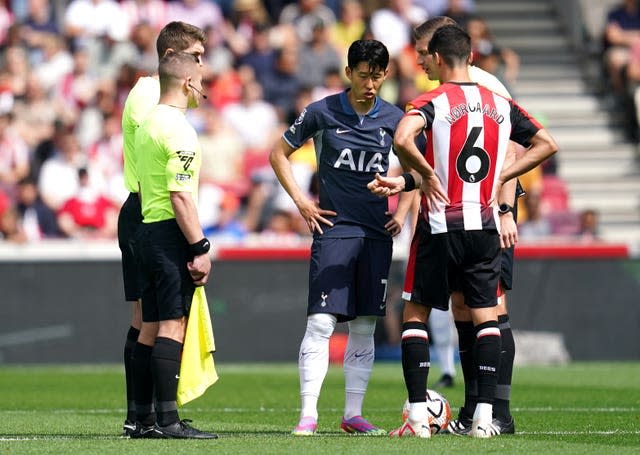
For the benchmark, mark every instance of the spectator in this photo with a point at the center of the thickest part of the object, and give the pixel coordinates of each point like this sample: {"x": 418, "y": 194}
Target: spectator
{"x": 349, "y": 27}
{"x": 6, "y": 21}
{"x": 105, "y": 156}
{"x": 281, "y": 83}
{"x": 318, "y": 54}
{"x": 36, "y": 113}
{"x": 252, "y": 118}
{"x": 36, "y": 220}
{"x": 77, "y": 89}
{"x": 39, "y": 24}
{"x": 332, "y": 84}
{"x": 154, "y": 13}
{"x": 248, "y": 18}
{"x": 204, "y": 14}
{"x": 9, "y": 226}
{"x": 86, "y": 21}
{"x": 14, "y": 155}
{"x": 502, "y": 62}
{"x": 392, "y": 24}
{"x": 15, "y": 72}
{"x": 460, "y": 11}
{"x": 56, "y": 63}
{"x": 218, "y": 213}
{"x": 588, "y": 231}
{"x": 88, "y": 214}
{"x": 622, "y": 29}
{"x": 221, "y": 144}
{"x": 537, "y": 226}
{"x": 303, "y": 14}
{"x": 261, "y": 56}
{"x": 58, "y": 180}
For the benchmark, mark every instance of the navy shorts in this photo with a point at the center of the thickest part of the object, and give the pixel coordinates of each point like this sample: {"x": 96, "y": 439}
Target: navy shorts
{"x": 348, "y": 277}
{"x": 167, "y": 286}
{"x": 465, "y": 261}
{"x": 129, "y": 221}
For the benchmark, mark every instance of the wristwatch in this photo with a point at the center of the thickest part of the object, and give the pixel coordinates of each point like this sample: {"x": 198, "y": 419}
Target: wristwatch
{"x": 504, "y": 208}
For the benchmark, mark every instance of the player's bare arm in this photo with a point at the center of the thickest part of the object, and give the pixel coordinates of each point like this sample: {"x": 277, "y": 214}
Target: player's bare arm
{"x": 312, "y": 214}
{"x": 506, "y": 202}
{"x": 187, "y": 218}
{"x": 396, "y": 223}
{"x": 404, "y": 142}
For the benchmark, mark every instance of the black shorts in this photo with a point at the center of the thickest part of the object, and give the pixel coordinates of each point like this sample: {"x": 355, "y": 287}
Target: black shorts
{"x": 466, "y": 261}
{"x": 167, "y": 286}
{"x": 349, "y": 277}
{"x": 129, "y": 220}
{"x": 506, "y": 266}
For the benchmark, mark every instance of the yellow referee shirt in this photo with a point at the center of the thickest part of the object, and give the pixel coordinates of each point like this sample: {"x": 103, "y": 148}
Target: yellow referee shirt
{"x": 168, "y": 159}
{"x": 142, "y": 98}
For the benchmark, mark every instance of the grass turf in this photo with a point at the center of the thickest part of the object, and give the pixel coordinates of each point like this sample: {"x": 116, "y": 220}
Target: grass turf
{"x": 580, "y": 408}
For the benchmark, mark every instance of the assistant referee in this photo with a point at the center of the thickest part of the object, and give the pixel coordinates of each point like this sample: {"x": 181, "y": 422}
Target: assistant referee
{"x": 173, "y": 251}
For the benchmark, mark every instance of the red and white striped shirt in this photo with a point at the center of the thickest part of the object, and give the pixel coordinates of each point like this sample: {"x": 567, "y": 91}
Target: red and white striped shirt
{"x": 468, "y": 128}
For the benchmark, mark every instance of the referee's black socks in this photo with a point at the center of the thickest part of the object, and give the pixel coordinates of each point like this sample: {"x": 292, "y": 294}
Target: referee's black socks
{"x": 132, "y": 338}
{"x": 165, "y": 366}
{"x": 143, "y": 384}
{"x": 505, "y": 372}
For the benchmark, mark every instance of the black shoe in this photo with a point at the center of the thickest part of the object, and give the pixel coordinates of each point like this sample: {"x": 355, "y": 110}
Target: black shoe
{"x": 505, "y": 426}
{"x": 460, "y": 426}
{"x": 128, "y": 427}
{"x": 182, "y": 430}
{"x": 145, "y": 432}
{"x": 444, "y": 382}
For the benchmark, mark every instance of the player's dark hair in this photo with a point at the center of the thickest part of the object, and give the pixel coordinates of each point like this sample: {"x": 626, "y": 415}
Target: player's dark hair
{"x": 178, "y": 36}
{"x": 452, "y": 43}
{"x": 370, "y": 51}
{"x": 428, "y": 27}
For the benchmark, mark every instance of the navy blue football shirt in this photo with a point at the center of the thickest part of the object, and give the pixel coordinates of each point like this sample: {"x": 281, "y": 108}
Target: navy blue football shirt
{"x": 350, "y": 148}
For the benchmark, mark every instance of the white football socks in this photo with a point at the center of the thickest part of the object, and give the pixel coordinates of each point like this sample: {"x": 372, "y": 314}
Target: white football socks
{"x": 358, "y": 363}
{"x": 313, "y": 360}
{"x": 444, "y": 342}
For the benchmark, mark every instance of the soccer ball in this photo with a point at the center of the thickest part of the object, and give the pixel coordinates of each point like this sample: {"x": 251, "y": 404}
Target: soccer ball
{"x": 439, "y": 411}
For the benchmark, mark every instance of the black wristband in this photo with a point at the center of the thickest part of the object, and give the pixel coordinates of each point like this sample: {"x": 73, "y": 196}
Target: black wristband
{"x": 409, "y": 182}
{"x": 200, "y": 248}
{"x": 504, "y": 209}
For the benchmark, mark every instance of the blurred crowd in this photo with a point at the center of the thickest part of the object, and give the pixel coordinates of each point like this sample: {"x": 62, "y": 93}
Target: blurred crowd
{"x": 66, "y": 68}
{"x": 621, "y": 62}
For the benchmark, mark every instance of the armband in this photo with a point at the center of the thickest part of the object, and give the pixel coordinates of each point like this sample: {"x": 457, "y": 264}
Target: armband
{"x": 409, "y": 182}
{"x": 200, "y": 248}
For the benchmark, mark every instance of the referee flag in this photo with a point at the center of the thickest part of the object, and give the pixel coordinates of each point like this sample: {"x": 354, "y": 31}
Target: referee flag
{"x": 197, "y": 370}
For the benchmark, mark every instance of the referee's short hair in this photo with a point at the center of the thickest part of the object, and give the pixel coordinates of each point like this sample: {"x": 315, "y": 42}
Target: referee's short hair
{"x": 176, "y": 66}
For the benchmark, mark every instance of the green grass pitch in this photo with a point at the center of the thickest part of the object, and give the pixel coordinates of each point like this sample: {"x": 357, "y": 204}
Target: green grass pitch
{"x": 576, "y": 409}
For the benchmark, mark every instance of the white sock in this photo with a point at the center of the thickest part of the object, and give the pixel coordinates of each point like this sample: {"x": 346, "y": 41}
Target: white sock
{"x": 443, "y": 331}
{"x": 483, "y": 412}
{"x": 418, "y": 412}
{"x": 358, "y": 363}
{"x": 313, "y": 360}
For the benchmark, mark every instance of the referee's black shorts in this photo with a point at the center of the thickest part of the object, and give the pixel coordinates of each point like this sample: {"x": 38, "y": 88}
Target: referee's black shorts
{"x": 506, "y": 266}
{"x": 129, "y": 220}
{"x": 167, "y": 286}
